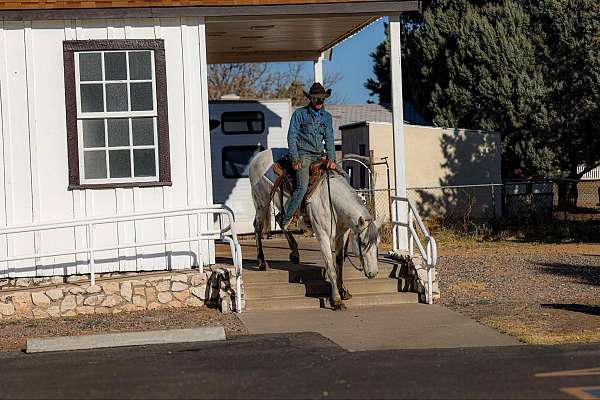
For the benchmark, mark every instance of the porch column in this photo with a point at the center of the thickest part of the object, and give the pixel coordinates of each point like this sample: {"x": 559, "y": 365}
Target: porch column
{"x": 318, "y": 65}
{"x": 400, "y": 210}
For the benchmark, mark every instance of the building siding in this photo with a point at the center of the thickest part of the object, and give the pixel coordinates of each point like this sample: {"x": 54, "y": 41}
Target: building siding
{"x": 34, "y": 149}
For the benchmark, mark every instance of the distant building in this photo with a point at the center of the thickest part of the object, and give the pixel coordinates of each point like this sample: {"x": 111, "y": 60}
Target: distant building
{"x": 433, "y": 157}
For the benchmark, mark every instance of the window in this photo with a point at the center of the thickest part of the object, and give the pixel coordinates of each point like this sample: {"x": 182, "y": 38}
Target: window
{"x": 116, "y": 113}
{"x": 242, "y": 122}
{"x": 236, "y": 160}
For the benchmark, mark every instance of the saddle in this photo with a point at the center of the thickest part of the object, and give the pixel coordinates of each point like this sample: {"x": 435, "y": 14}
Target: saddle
{"x": 284, "y": 171}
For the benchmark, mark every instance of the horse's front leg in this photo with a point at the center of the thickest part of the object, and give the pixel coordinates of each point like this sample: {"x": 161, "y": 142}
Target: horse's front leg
{"x": 339, "y": 264}
{"x": 330, "y": 270}
{"x": 294, "y": 255}
{"x": 260, "y": 256}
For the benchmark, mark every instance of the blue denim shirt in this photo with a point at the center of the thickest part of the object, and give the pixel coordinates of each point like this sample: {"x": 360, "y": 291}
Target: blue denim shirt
{"x": 308, "y": 129}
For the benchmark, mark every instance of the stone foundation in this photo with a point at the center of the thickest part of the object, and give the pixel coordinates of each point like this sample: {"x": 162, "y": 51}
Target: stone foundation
{"x": 113, "y": 293}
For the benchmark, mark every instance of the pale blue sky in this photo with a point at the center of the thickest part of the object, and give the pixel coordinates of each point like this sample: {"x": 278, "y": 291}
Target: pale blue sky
{"x": 351, "y": 59}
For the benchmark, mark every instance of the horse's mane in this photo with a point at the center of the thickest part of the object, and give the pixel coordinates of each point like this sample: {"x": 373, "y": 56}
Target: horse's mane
{"x": 372, "y": 233}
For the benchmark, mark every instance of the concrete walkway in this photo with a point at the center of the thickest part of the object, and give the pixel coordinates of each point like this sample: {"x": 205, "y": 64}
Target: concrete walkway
{"x": 383, "y": 327}
{"x": 402, "y": 326}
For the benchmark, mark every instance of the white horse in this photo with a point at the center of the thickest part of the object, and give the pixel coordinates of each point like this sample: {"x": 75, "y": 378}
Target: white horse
{"x": 332, "y": 225}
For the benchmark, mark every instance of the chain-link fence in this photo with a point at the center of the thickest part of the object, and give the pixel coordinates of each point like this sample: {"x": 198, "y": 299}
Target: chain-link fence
{"x": 473, "y": 208}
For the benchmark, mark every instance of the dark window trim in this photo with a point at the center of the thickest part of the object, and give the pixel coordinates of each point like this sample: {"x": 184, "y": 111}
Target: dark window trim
{"x": 162, "y": 123}
{"x": 262, "y": 127}
{"x": 261, "y": 148}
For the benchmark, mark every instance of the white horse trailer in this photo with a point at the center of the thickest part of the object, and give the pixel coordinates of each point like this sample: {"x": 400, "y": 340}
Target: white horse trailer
{"x": 245, "y": 128}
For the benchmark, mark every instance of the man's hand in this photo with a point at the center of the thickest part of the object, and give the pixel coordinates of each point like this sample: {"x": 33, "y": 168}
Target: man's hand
{"x": 296, "y": 165}
{"x": 331, "y": 164}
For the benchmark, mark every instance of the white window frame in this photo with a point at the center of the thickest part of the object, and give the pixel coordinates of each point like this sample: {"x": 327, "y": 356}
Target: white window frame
{"x": 116, "y": 115}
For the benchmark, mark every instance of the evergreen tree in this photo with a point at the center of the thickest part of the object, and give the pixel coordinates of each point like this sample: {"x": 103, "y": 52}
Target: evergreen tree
{"x": 529, "y": 70}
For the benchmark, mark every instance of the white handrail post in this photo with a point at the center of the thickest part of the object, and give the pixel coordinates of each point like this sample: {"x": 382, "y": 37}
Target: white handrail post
{"x": 200, "y": 263}
{"x": 90, "y": 228}
{"x": 411, "y": 244}
{"x": 429, "y": 272}
{"x": 429, "y": 285}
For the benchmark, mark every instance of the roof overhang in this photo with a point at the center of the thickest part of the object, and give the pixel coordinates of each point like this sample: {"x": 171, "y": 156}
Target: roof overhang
{"x": 291, "y": 32}
{"x": 238, "y": 32}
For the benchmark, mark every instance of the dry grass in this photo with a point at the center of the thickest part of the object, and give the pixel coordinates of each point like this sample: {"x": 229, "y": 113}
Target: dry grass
{"x": 14, "y": 334}
{"x": 538, "y": 293}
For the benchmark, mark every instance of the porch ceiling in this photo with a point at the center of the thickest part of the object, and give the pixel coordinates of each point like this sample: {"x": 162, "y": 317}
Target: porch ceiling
{"x": 293, "y": 32}
{"x": 281, "y": 39}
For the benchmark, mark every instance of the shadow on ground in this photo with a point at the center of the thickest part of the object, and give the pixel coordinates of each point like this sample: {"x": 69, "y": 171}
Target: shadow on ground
{"x": 580, "y": 308}
{"x": 587, "y": 274}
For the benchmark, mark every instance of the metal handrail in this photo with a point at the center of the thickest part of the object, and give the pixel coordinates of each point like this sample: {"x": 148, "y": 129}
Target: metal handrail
{"x": 429, "y": 251}
{"x": 227, "y": 234}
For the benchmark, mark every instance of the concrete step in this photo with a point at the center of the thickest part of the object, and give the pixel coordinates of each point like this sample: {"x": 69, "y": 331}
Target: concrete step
{"x": 322, "y": 288}
{"x": 295, "y": 303}
{"x": 303, "y": 273}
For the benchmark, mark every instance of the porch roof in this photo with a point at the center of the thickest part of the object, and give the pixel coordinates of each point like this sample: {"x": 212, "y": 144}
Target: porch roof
{"x": 236, "y": 30}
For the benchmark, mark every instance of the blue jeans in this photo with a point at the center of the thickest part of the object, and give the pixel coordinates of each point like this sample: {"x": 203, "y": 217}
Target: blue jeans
{"x": 300, "y": 183}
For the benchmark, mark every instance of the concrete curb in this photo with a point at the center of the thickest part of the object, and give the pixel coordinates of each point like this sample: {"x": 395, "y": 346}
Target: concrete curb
{"x": 67, "y": 343}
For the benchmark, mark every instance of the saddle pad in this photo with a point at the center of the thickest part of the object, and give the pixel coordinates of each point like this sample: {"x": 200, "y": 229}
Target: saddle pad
{"x": 271, "y": 175}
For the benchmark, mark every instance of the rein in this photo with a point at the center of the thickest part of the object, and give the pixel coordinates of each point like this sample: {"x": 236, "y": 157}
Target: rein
{"x": 360, "y": 251}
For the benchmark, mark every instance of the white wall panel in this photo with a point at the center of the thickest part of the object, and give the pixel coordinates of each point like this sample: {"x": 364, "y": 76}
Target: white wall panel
{"x": 176, "y": 196}
{"x": 15, "y": 105}
{"x": 48, "y": 126}
{"x": 33, "y": 133}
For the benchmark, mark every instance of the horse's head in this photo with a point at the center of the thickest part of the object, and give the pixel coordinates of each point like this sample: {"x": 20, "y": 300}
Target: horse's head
{"x": 365, "y": 239}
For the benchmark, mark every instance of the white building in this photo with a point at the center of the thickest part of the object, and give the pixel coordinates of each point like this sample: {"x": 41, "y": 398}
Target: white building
{"x": 104, "y": 111}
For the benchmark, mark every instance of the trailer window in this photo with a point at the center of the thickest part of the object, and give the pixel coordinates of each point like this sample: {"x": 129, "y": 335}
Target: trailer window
{"x": 236, "y": 160}
{"x": 242, "y": 122}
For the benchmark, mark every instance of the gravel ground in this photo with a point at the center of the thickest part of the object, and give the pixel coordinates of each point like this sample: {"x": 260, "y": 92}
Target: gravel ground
{"x": 540, "y": 294}
{"x": 14, "y": 334}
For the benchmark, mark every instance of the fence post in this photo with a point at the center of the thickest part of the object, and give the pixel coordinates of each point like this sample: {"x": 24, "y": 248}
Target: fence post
{"x": 493, "y": 200}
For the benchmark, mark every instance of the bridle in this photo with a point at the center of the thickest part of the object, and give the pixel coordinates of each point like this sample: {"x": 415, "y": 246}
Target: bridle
{"x": 360, "y": 249}
{"x": 360, "y": 244}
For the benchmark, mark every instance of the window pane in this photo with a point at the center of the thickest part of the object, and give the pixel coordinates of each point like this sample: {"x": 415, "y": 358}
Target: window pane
{"x": 94, "y": 164}
{"x": 242, "y": 122}
{"x": 236, "y": 160}
{"x": 115, "y": 67}
{"x": 140, "y": 65}
{"x": 93, "y": 133}
{"x": 120, "y": 163}
{"x": 90, "y": 67}
{"x": 92, "y": 98}
{"x": 118, "y": 132}
{"x": 143, "y": 131}
{"x": 141, "y": 96}
{"x": 144, "y": 163}
{"x": 116, "y": 97}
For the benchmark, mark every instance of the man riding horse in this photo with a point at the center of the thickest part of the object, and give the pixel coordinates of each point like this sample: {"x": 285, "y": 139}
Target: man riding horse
{"x": 310, "y": 126}
{"x": 334, "y": 213}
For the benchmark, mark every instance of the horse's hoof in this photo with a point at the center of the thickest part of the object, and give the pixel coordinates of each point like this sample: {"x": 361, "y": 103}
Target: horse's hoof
{"x": 345, "y": 295}
{"x": 338, "y": 305}
{"x": 294, "y": 259}
{"x": 262, "y": 266}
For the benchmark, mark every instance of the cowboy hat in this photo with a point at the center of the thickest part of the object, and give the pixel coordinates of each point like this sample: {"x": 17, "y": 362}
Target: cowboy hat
{"x": 317, "y": 90}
